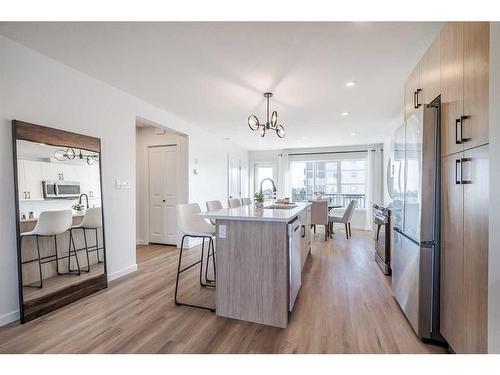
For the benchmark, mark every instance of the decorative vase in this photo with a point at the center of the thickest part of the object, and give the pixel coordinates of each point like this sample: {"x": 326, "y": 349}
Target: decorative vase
{"x": 259, "y": 204}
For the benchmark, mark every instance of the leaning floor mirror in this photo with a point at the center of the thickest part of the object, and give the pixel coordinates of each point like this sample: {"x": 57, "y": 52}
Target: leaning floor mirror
{"x": 59, "y": 217}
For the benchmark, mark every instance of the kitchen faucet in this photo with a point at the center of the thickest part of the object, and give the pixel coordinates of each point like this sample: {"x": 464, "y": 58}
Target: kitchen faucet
{"x": 274, "y": 186}
{"x": 86, "y": 199}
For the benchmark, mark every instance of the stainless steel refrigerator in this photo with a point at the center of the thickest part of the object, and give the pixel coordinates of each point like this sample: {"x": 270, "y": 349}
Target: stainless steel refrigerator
{"x": 415, "y": 247}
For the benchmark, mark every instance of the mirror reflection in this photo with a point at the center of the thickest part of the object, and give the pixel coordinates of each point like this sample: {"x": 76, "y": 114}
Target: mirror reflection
{"x": 61, "y": 236}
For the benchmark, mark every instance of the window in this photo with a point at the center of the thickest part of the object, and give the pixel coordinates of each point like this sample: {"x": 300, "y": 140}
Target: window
{"x": 339, "y": 181}
{"x": 265, "y": 170}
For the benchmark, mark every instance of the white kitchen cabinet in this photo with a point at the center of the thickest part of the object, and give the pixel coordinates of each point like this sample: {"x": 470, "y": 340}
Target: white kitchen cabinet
{"x": 90, "y": 182}
{"x": 29, "y": 180}
{"x": 60, "y": 171}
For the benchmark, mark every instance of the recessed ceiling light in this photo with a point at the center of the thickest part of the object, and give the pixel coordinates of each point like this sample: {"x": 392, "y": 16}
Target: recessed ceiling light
{"x": 353, "y": 134}
{"x": 345, "y": 114}
{"x": 350, "y": 84}
{"x": 227, "y": 138}
{"x": 304, "y": 137}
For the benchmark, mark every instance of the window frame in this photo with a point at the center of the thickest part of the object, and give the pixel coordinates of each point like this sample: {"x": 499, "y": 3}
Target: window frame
{"x": 338, "y": 161}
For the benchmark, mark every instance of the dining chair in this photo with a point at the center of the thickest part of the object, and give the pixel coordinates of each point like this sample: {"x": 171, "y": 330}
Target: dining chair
{"x": 234, "y": 202}
{"x": 213, "y": 206}
{"x": 345, "y": 219}
{"x": 246, "y": 201}
{"x": 319, "y": 215}
{"x": 92, "y": 221}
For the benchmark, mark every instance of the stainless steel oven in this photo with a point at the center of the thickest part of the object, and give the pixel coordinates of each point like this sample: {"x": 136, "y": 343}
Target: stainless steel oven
{"x": 382, "y": 237}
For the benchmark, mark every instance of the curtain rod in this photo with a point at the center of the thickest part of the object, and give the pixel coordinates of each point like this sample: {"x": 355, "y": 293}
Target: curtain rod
{"x": 332, "y": 152}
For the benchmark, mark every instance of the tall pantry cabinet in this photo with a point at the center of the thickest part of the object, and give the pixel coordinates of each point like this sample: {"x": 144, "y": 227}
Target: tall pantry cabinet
{"x": 464, "y": 185}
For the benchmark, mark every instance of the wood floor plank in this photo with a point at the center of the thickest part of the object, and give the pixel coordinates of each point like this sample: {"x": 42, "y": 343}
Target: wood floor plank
{"x": 345, "y": 305}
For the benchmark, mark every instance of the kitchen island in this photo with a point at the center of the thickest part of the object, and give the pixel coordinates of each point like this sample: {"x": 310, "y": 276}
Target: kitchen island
{"x": 260, "y": 255}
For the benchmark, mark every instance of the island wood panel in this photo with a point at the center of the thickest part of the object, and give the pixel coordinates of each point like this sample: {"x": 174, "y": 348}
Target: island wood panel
{"x": 452, "y": 318}
{"x": 54, "y": 137}
{"x": 452, "y": 84}
{"x": 476, "y": 83}
{"x": 476, "y": 205}
{"x": 252, "y": 272}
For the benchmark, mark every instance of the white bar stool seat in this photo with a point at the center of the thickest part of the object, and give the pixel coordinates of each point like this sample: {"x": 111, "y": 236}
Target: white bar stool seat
{"x": 51, "y": 224}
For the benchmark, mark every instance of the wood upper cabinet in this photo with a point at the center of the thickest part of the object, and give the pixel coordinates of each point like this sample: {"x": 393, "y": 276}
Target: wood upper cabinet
{"x": 430, "y": 73}
{"x": 464, "y": 86}
{"x": 413, "y": 97}
{"x": 476, "y": 86}
{"x": 476, "y": 192}
{"x": 452, "y": 316}
{"x": 452, "y": 85}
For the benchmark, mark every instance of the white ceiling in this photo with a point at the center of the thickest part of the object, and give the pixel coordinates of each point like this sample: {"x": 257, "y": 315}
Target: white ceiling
{"x": 214, "y": 74}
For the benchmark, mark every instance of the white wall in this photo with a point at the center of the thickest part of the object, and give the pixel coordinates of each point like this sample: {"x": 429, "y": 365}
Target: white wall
{"x": 37, "y": 89}
{"x": 494, "y": 223}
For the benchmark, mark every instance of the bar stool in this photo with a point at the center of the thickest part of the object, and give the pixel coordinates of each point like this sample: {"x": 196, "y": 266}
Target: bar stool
{"x": 194, "y": 227}
{"x": 234, "y": 202}
{"x": 50, "y": 224}
{"x": 92, "y": 220}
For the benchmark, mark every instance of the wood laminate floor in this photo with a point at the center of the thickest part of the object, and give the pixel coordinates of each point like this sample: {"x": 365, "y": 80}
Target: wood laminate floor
{"x": 345, "y": 305}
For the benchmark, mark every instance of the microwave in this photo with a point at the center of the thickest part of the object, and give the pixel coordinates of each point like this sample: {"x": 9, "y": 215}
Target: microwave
{"x": 60, "y": 189}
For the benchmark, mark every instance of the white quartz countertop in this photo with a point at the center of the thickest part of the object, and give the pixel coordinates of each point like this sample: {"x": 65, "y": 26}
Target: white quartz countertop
{"x": 251, "y": 213}
{"x": 27, "y": 220}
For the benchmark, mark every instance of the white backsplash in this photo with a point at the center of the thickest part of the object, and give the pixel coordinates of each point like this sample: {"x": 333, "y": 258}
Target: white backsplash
{"x": 52, "y": 205}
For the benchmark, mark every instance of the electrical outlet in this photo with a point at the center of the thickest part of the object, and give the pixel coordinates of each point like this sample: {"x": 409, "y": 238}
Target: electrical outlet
{"x": 222, "y": 231}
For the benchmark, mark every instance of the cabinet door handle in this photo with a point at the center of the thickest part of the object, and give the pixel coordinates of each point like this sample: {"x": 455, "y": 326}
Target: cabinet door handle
{"x": 458, "y": 130}
{"x": 415, "y": 99}
{"x": 458, "y": 171}
{"x": 462, "y": 118}
{"x": 417, "y": 94}
{"x": 24, "y": 195}
{"x": 462, "y": 161}
{"x": 29, "y": 195}
{"x": 303, "y": 231}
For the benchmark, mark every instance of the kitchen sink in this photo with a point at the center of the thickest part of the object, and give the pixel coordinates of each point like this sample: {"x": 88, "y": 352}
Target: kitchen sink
{"x": 281, "y": 206}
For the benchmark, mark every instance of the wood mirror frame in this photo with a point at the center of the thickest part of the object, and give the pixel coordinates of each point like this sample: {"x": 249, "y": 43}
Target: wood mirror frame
{"x": 66, "y": 295}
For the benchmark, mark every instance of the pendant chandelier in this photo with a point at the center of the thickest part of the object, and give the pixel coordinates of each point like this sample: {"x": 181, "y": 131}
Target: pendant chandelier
{"x": 270, "y": 124}
{"x": 70, "y": 154}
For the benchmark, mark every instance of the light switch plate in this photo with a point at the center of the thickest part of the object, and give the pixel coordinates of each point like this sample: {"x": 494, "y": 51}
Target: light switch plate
{"x": 222, "y": 231}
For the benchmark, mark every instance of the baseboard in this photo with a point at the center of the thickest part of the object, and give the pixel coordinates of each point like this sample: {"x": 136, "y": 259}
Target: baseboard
{"x": 141, "y": 242}
{"x": 9, "y": 317}
{"x": 122, "y": 272}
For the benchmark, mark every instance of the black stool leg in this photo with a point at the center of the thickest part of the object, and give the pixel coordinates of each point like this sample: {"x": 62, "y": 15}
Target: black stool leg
{"x": 87, "y": 249}
{"x": 179, "y": 271}
{"x": 201, "y": 261}
{"x": 72, "y": 242}
{"x": 39, "y": 262}
{"x": 212, "y": 254}
{"x": 97, "y": 246}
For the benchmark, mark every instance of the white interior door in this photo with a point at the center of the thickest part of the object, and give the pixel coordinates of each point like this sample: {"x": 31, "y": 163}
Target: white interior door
{"x": 162, "y": 194}
{"x": 234, "y": 177}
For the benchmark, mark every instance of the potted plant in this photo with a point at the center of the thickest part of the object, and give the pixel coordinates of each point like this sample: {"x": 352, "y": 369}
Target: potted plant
{"x": 259, "y": 199}
{"x": 78, "y": 207}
